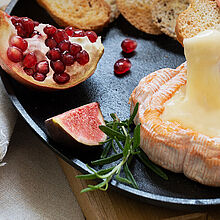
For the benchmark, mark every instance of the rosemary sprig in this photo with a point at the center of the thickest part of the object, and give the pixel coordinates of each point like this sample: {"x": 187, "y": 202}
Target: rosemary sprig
{"x": 125, "y": 147}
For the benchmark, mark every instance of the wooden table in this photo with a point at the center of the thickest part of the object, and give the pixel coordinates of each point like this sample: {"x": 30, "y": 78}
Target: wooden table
{"x": 99, "y": 205}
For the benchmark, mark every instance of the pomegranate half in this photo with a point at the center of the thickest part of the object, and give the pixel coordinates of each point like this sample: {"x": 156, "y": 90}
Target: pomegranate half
{"x": 80, "y": 124}
{"x": 44, "y": 57}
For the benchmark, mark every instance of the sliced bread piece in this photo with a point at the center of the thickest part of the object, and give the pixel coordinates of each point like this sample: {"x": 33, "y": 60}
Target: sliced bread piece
{"x": 82, "y": 14}
{"x": 114, "y": 9}
{"x": 165, "y": 13}
{"x": 138, "y": 13}
{"x": 200, "y": 16}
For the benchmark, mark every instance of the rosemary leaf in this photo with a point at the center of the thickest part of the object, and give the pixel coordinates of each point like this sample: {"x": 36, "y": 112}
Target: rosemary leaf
{"x": 118, "y": 143}
{"x": 136, "y": 139}
{"x": 130, "y": 121}
{"x": 106, "y": 150}
{"x": 130, "y": 176}
{"x": 112, "y": 133}
{"x": 122, "y": 180}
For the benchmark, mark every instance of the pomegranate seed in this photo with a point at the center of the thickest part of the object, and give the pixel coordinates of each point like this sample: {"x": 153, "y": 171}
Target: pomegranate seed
{"x": 14, "y": 54}
{"x": 50, "y": 30}
{"x": 69, "y": 31}
{"x": 128, "y": 45}
{"x": 35, "y": 33}
{"x": 19, "y": 42}
{"x": 54, "y": 54}
{"x": 122, "y": 66}
{"x": 79, "y": 33}
{"x": 75, "y": 48}
{"x": 92, "y": 36}
{"x": 20, "y": 30}
{"x": 39, "y": 76}
{"x": 82, "y": 57}
{"x": 30, "y": 60}
{"x": 42, "y": 67}
{"x": 64, "y": 45}
{"x": 60, "y": 35}
{"x": 29, "y": 71}
{"x": 15, "y": 19}
{"x": 36, "y": 23}
{"x": 67, "y": 58}
{"x": 61, "y": 78}
{"x": 28, "y": 25}
{"x": 50, "y": 42}
{"x": 57, "y": 66}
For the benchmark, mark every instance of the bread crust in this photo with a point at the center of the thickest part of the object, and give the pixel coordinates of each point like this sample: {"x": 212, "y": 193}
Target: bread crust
{"x": 89, "y": 21}
{"x": 166, "y": 143}
{"x": 138, "y": 13}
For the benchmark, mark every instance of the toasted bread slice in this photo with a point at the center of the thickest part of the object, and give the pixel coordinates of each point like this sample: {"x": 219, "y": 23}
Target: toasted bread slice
{"x": 165, "y": 13}
{"x": 114, "y": 9}
{"x": 200, "y": 16}
{"x": 138, "y": 13}
{"x": 82, "y": 14}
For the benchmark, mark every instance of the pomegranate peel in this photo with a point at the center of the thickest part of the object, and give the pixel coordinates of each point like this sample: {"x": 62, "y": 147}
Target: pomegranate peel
{"x": 36, "y": 44}
{"x": 80, "y": 124}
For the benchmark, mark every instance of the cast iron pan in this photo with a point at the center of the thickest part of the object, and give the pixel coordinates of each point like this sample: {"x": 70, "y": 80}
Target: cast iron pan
{"x": 112, "y": 92}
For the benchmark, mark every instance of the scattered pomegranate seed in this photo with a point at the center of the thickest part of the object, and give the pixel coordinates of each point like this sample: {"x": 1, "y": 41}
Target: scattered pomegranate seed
{"x": 67, "y": 58}
{"x": 20, "y": 30}
{"x": 60, "y": 35}
{"x": 29, "y": 71}
{"x": 39, "y": 76}
{"x": 69, "y": 31}
{"x": 122, "y": 66}
{"x": 19, "y": 42}
{"x": 61, "y": 78}
{"x": 15, "y": 19}
{"x": 54, "y": 54}
{"x": 36, "y": 23}
{"x": 42, "y": 67}
{"x": 35, "y": 33}
{"x": 28, "y": 25}
{"x": 79, "y": 33}
{"x": 50, "y": 42}
{"x": 128, "y": 45}
{"x": 64, "y": 45}
{"x": 92, "y": 36}
{"x": 14, "y": 54}
{"x": 82, "y": 57}
{"x": 50, "y": 30}
{"x": 75, "y": 48}
{"x": 30, "y": 60}
{"x": 57, "y": 66}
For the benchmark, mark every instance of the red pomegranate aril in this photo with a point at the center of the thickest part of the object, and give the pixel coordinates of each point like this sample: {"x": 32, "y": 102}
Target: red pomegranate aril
{"x": 61, "y": 78}
{"x": 64, "y": 45}
{"x": 15, "y": 19}
{"x": 50, "y": 42}
{"x": 36, "y": 23}
{"x": 19, "y": 42}
{"x": 39, "y": 76}
{"x": 128, "y": 45}
{"x": 28, "y": 25}
{"x": 82, "y": 57}
{"x": 67, "y": 58}
{"x": 49, "y": 30}
{"x": 79, "y": 33}
{"x": 42, "y": 67}
{"x": 54, "y": 54}
{"x": 30, "y": 60}
{"x": 75, "y": 48}
{"x": 122, "y": 66}
{"x": 14, "y": 54}
{"x": 20, "y": 30}
{"x": 60, "y": 35}
{"x": 69, "y": 31}
{"x": 57, "y": 66}
{"x": 29, "y": 71}
{"x": 35, "y": 33}
{"x": 92, "y": 36}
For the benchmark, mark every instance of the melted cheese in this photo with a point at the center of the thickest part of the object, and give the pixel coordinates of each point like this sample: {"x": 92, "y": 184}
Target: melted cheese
{"x": 197, "y": 105}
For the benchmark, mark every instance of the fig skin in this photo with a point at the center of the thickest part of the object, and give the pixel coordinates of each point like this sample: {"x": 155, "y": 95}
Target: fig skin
{"x": 15, "y": 70}
{"x": 58, "y": 131}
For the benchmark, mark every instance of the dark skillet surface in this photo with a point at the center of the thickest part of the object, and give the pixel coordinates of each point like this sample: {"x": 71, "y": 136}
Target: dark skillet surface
{"x": 112, "y": 92}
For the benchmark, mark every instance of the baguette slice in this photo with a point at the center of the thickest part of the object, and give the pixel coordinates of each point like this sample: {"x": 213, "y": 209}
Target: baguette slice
{"x": 200, "y": 16}
{"x": 114, "y": 9}
{"x": 165, "y": 13}
{"x": 138, "y": 13}
{"x": 82, "y": 14}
